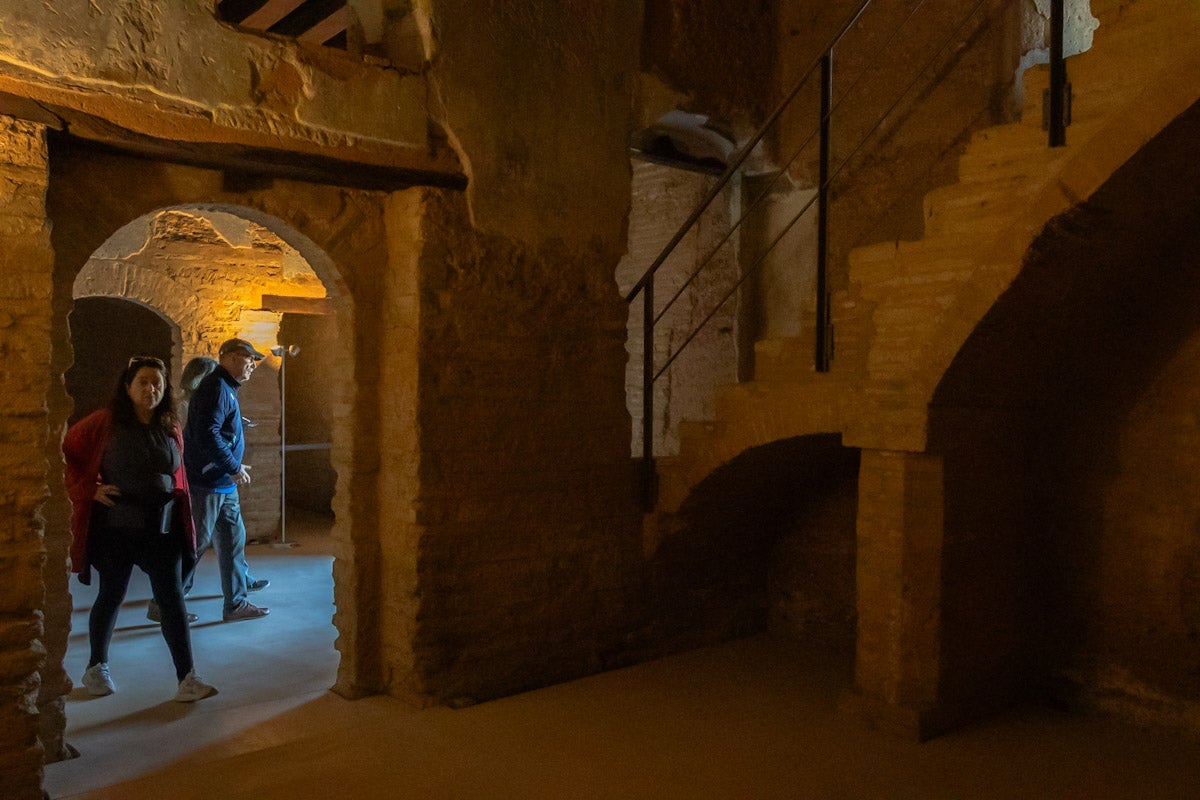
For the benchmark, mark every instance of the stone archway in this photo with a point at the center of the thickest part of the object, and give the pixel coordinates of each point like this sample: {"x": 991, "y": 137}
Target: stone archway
{"x": 208, "y": 270}
{"x": 359, "y": 243}
{"x": 765, "y": 541}
{"x": 105, "y": 331}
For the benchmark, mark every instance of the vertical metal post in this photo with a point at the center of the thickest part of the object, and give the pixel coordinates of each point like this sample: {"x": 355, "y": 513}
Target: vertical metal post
{"x": 283, "y": 447}
{"x": 822, "y": 354}
{"x": 1058, "y": 77}
{"x": 648, "y": 474}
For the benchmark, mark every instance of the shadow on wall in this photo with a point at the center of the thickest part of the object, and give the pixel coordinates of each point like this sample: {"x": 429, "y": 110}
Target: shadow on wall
{"x": 768, "y": 539}
{"x": 1072, "y": 448}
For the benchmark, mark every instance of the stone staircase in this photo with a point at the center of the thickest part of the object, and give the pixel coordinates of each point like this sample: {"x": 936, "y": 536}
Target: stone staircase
{"x": 910, "y": 305}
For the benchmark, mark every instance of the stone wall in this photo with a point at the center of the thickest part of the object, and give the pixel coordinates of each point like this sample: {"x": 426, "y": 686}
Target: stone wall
{"x": 30, "y": 684}
{"x": 529, "y": 536}
{"x": 175, "y": 72}
{"x": 766, "y": 538}
{"x": 526, "y": 507}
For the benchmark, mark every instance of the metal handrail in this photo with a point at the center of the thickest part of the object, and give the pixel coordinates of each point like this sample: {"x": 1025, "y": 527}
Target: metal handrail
{"x": 821, "y": 188}
{"x": 826, "y": 115}
{"x": 741, "y": 156}
{"x": 645, "y": 284}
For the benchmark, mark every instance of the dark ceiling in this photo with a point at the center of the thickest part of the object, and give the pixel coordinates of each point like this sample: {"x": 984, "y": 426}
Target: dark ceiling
{"x": 316, "y": 21}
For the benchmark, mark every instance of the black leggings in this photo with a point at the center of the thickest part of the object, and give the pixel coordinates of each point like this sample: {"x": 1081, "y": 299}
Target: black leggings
{"x": 114, "y": 552}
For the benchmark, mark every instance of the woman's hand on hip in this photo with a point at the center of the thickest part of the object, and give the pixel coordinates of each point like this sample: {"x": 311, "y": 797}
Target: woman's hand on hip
{"x": 105, "y": 493}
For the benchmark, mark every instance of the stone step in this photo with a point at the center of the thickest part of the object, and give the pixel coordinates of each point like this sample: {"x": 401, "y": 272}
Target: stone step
{"x": 978, "y": 207}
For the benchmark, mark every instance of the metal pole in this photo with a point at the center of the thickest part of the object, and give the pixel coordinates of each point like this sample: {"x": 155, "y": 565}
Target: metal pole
{"x": 1058, "y": 77}
{"x": 283, "y": 447}
{"x": 822, "y": 350}
{"x": 283, "y": 353}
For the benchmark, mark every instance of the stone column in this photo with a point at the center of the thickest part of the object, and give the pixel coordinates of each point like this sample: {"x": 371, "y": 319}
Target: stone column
{"x": 26, "y": 267}
{"x": 899, "y": 588}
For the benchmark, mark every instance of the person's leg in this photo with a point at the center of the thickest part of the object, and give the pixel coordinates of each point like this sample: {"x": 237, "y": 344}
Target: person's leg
{"x": 205, "y": 507}
{"x": 161, "y": 561}
{"x": 229, "y": 540}
{"x": 113, "y": 566}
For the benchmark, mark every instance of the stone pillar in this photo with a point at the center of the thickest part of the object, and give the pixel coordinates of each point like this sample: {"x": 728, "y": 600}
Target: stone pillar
{"x": 26, "y": 267}
{"x": 899, "y": 588}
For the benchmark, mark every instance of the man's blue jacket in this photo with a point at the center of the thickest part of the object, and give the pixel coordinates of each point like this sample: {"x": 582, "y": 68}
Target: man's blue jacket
{"x": 213, "y": 440}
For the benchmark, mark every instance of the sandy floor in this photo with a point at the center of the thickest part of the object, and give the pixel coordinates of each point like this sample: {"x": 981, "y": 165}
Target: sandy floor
{"x": 756, "y": 718}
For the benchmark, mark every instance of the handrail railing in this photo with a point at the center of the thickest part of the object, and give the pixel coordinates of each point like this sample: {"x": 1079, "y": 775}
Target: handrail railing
{"x": 1058, "y": 77}
{"x": 821, "y": 190}
{"x": 737, "y": 161}
{"x": 824, "y": 351}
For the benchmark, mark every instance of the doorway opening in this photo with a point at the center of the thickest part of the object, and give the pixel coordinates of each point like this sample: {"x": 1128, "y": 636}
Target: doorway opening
{"x": 175, "y": 283}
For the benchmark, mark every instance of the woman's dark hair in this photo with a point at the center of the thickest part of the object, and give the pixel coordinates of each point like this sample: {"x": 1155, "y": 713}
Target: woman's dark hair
{"x": 121, "y": 405}
{"x": 195, "y": 371}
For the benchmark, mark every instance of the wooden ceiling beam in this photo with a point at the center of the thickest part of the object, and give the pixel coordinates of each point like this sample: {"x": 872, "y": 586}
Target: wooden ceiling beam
{"x": 271, "y": 12}
{"x": 288, "y": 304}
{"x": 327, "y": 28}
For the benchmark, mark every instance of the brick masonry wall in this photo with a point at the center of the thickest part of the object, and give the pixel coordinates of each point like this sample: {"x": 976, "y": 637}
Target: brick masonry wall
{"x": 25, "y": 291}
{"x": 529, "y": 530}
{"x": 663, "y": 198}
{"x": 811, "y": 577}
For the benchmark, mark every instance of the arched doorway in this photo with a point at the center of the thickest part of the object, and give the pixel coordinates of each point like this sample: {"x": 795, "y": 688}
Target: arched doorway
{"x": 765, "y": 543}
{"x": 105, "y": 333}
{"x": 174, "y": 283}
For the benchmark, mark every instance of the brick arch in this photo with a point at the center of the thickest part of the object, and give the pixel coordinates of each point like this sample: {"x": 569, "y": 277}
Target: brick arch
{"x": 743, "y": 530}
{"x": 1064, "y": 461}
{"x": 157, "y": 292}
{"x": 77, "y": 383}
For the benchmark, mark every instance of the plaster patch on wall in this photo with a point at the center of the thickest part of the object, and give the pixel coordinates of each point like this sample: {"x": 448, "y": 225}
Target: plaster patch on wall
{"x": 1078, "y": 28}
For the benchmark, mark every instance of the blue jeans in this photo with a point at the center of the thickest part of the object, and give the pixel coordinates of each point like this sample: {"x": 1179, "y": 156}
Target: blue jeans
{"x": 218, "y": 519}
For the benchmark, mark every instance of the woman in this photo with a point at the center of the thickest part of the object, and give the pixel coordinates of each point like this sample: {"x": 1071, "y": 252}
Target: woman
{"x": 194, "y": 371}
{"x": 131, "y": 506}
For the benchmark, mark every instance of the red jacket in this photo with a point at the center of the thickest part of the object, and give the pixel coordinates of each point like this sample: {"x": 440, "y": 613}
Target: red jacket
{"x": 83, "y": 447}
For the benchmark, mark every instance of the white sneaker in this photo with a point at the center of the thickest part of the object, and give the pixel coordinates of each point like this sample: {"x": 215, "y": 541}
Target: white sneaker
{"x": 191, "y": 689}
{"x": 97, "y": 681}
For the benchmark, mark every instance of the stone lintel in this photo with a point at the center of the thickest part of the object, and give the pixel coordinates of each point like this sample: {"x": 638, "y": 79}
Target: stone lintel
{"x": 285, "y": 304}
{"x": 121, "y": 124}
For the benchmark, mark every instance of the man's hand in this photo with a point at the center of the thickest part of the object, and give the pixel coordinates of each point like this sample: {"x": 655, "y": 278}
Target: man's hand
{"x": 242, "y": 478}
{"x": 105, "y": 493}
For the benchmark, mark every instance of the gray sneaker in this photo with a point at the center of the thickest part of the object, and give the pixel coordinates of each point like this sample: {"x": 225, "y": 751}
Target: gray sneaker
{"x": 258, "y": 585}
{"x": 191, "y": 689}
{"x": 245, "y": 611}
{"x": 97, "y": 681}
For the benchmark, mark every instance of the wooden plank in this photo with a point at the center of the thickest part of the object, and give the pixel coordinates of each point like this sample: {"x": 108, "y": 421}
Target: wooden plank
{"x": 326, "y": 29}
{"x": 269, "y": 14}
{"x": 359, "y": 163}
{"x": 287, "y": 304}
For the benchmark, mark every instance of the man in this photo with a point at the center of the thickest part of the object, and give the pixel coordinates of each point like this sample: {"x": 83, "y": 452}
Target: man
{"x": 213, "y": 450}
